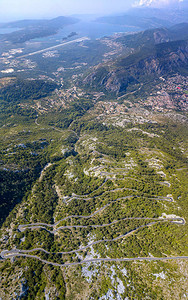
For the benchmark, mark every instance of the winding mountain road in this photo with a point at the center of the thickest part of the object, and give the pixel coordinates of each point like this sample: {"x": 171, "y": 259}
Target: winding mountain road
{"x": 26, "y": 253}
{"x": 18, "y": 252}
{"x": 95, "y": 260}
{"x": 105, "y": 240}
{"x": 131, "y": 93}
{"x": 23, "y": 227}
{"x": 32, "y": 226}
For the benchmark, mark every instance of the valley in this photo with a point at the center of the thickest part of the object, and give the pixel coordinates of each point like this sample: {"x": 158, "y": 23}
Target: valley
{"x": 93, "y": 165}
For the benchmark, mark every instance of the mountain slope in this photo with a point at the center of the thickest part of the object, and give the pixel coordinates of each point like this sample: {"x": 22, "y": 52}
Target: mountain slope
{"x": 129, "y": 20}
{"x": 155, "y": 36}
{"x": 31, "y": 29}
{"x": 59, "y": 21}
{"x": 143, "y": 65}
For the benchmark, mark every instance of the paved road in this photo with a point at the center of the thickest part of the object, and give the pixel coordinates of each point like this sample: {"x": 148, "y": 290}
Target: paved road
{"x": 95, "y": 260}
{"x": 80, "y": 197}
{"x": 131, "y": 93}
{"x": 16, "y": 252}
{"x": 91, "y": 244}
{"x": 42, "y": 225}
{"x": 32, "y": 225}
{"x": 54, "y": 47}
{"x": 179, "y": 221}
{"x": 6, "y": 253}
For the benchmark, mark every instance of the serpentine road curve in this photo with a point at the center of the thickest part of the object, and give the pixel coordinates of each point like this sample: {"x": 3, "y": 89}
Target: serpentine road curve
{"x": 24, "y": 253}
{"x": 99, "y": 241}
{"x": 41, "y": 225}
{"x": 17, "y": 252}
{"x": 21, "y": 228}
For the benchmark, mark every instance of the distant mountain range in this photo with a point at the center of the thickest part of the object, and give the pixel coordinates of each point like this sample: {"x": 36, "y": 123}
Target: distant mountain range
{"x": 56, "y": 22}
{"x": 155, "y": 36}
{"x": 148, "y": 17}
{"x": 156, "y": 53}
{"x": 174, "y": 13}
{"x": 30, "y": 29}
{"x": 135, "y": 21}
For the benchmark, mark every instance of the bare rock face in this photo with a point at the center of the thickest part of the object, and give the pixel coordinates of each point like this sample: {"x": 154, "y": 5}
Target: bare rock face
{"x": 161, "y": 36}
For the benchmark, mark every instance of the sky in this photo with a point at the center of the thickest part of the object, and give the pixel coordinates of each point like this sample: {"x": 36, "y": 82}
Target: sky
{"x": 156, "y": 3}
{"x": 22, "y": 9}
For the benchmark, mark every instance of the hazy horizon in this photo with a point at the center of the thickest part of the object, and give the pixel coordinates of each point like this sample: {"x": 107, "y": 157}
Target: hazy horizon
{"x": 11, "y": 10}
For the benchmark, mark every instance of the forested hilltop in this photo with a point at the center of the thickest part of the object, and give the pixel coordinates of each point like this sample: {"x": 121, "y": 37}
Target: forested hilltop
{"x": 93, "y": 166}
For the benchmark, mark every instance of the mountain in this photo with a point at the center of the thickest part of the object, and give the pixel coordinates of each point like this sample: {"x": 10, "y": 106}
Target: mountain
{"x": 145, "y": 17}
{"x": 179, "y": 31}
{"x": 56, "y": 22}
{"x": 23, "y": 23}
{"x": 149, "y": 61}
{"x": 31, "y": 29}
{"x": 175, "y": 13}
{"x": 94, "y": 187}
{"x": 135, "y": 21}
{"x": 155, "y": 36}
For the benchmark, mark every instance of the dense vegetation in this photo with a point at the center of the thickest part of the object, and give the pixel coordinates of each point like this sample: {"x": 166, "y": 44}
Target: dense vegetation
{"x": 26, "y": 89}
{"x": 14, "y": 185}
{"x": 91, "y": 172}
